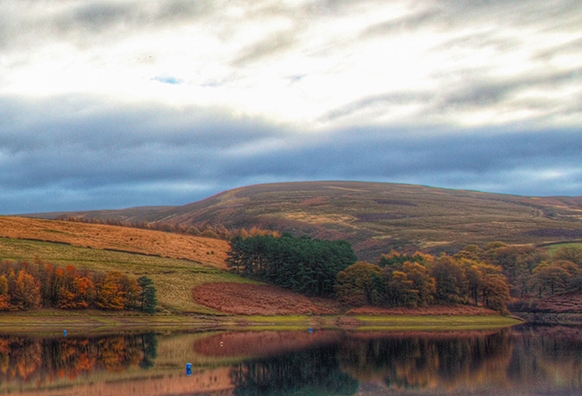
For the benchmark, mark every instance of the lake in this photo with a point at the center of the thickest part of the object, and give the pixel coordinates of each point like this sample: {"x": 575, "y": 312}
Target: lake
{"x": 520, "y": 360}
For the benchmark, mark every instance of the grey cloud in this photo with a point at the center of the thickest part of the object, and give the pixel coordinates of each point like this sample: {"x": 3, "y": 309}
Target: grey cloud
{"x": 480, "y": 93}
{"x": 113, "y": 146}
{"x": 373, "y": 101}
{"x": 480, "y": 40}
{"x": 467, "y": 91}
{"x": 269, "y": 46}
{"x": 404, "y": 24}
{"x": 517, "y": 13}
{"x": 445, "y": 159}
{"x": 80, "y": 120}
{"x": 570, "y": 47}
{"x": 27, "y": 24}
{"x": 154, "y": 156}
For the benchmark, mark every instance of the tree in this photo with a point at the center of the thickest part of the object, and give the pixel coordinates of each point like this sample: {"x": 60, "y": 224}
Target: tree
{"x": 550, "y": 277}
{"x": 305, "y": 265}
{"x": 569, "y": 253}
{"x": 400, "y": 290}
{"x": 110, "y": 293}
{"x": 495, "y": 292}
{"x": 450, "y": 281}
{"x": 470, "y": 252}
{"x": 4, "y": 296}
{"x": 518, "y": 264}
{"x": 423, "y": 284}
{"x": 359, "y": 284}
{"x": 148, "y": 294}
{"x": 27, "y": 293}
{"x": 235, "y": 258}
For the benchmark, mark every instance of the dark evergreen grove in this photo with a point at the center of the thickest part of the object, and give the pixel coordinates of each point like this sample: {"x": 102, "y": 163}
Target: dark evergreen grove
{"x": 305, "y": 265}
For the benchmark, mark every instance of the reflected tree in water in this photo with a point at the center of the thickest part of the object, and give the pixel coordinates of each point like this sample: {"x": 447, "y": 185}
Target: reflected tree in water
{"x": 313, "y": 371}
{"x": 552, "y": 354}
{"x": 23, "y": 358}
{"x": 424, "y": 361}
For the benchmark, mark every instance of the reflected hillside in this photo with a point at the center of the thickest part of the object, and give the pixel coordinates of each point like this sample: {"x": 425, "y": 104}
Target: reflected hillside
{"x": 425, "y": 361}
{"x": 521, "y": 360}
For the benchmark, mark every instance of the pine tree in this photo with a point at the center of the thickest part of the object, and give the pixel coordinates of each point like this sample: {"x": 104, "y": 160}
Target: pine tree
{"x": 148, "y": 294}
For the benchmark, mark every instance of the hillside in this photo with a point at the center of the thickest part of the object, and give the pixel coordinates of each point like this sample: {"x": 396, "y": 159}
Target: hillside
{"x": 115, "y": 238}
{"x": 375, "y": 217}
{"x": 186, "y": 270}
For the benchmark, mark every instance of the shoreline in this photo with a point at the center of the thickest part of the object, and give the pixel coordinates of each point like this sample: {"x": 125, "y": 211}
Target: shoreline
{"x": 102, "y": 323}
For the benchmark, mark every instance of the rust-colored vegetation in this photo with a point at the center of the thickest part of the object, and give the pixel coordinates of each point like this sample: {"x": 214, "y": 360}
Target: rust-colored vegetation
{"x": 124, "y": 239}
{"x": 376, "y": 217}
{"x": 252, "y": 299}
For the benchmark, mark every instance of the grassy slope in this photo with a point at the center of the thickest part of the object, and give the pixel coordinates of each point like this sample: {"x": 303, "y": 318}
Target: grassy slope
{"x": 173, "y": 278}
{"x": 98, "y": 236}
{"x": 376, "y": 217}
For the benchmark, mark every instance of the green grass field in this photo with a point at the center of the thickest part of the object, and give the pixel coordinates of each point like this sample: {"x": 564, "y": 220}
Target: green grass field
{"x": 552, "y": 248}
{"x": 435, "y": 323}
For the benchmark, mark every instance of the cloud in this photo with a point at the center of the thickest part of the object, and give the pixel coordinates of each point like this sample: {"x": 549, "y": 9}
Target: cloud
{"x": 123, "y": 103}
{"x": 148, "y": 155}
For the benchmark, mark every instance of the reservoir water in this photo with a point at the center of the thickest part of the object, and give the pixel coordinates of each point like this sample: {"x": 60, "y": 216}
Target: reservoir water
{"x": 515, "y": 361}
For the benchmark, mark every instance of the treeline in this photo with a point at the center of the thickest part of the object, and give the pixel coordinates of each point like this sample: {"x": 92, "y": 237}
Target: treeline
{"x": 25, "y": 286}
{"x": 489, "y": 276}
{"x": 202, "y": 229}
{"x": 326, "y": 268}
{"x": 533, "y": 271}
{"x": 305, "y": 265}
{"x": 41, "y": 361}
{"x": 422, "y": 279}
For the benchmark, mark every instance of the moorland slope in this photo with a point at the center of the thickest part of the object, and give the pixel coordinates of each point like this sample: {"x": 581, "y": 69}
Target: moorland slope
{"x": 374, "y": 217}
{"x": 115, "y": 238}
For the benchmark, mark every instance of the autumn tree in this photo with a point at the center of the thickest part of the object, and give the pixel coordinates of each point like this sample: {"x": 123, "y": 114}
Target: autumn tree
{"x": 423, "y": 284}
{"x": 359, "y": 284}
{"x": 27, "y": 291}
{"x": 450, "y": 280}
{"x": 110, "y": 295}
{"x": 4, "y": 296}
{"x": 569, "y": 253}
{"x": 399, "y": 289}
{"x": 495, "y": 292}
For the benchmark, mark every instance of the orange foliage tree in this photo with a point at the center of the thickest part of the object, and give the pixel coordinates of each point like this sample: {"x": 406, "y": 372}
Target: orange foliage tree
{"x": 24, "y": 286}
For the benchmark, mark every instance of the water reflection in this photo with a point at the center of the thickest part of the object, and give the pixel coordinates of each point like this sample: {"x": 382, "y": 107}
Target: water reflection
{"x": 314, "y": 371}
{"x": 520, "y": 360}
{"x": 44, "y": 359}
{"x": 400, "y": 361}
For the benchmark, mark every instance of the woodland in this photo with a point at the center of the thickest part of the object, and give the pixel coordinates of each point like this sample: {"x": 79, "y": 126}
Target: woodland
{"x": 490, "y": 276}
{"x": 25, "y": 286}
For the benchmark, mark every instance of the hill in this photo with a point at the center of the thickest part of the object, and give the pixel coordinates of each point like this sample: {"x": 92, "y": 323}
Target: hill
{"x": 374, "y": 217}
{"x": 114, "y": 238}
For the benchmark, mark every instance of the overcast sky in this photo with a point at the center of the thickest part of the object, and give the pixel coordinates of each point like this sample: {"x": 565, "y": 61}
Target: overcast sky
{"x": 111, "y": 104}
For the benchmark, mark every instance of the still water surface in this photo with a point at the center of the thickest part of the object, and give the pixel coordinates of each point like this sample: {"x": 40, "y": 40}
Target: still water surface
{"x": 521, "y": 360}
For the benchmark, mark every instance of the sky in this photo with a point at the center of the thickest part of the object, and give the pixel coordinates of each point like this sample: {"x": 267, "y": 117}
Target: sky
{"x": 120, "y": 103}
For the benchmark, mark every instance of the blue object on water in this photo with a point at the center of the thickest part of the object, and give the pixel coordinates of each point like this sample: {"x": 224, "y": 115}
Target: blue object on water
{"x": 188, "y": 369}
{"x": 65, "y": 333}
{"x": 310, "y": 330}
